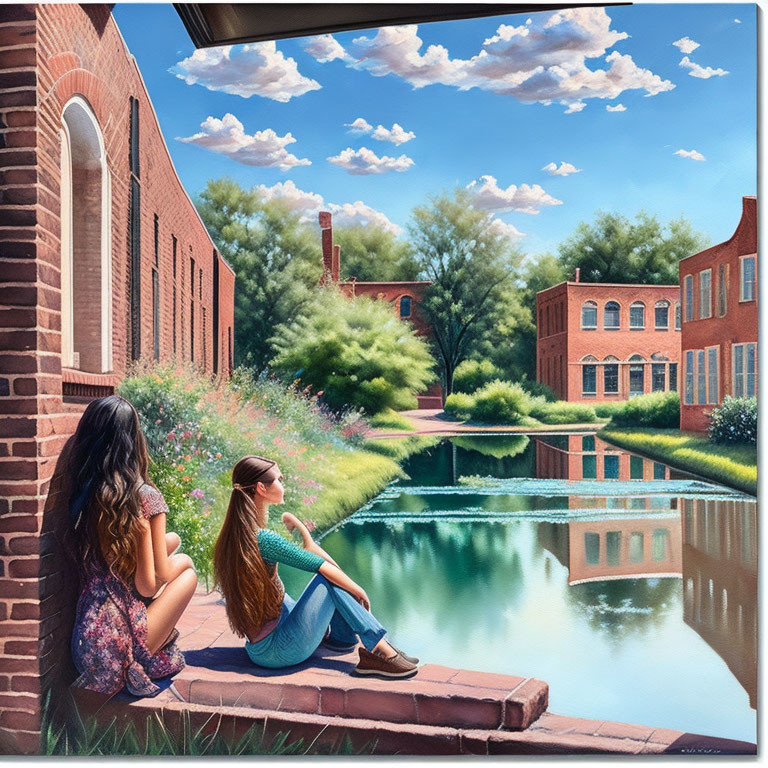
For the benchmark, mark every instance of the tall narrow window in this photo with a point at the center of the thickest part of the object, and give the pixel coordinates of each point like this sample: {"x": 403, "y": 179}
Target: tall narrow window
{"x": 701, "y": 377}
{"x": 588, "y": 443}
{"x": 611, "y": 378}
{"x": 689, "y": 377}
{"x": 659, "y": 544}
{"x": 635, "y": 468}
{"x": 610, "y": 466}
{"x": 589, "y": 379}
{"x": 661, "y": 315}
{"x": 405, "y": 306}
{"x": 589, "y": 316}
{"x": 200, "y": 291}
{"x": 592, "y": 548}
{"x": 636, "y": 376}
{"x": 678, "y": 323}
{"x": 612, "y": 547}
{"x": 636, "y": 547}
{"x": 230, "y": 352}
{"x": 673, "y": 377}
{"x": 722, "y": 290}
{"x": 637, "y": 316}
{"x": 659, "y": 471}
{"x": 658, "y": 375}
{"x": 738, "y": 370}
{"x": 156, "y": 292}
{"x": 134, "y": 215}
{"x": 173, "y": 310}
{"x": 191, "y": 309}
{"x": 205, "y": 333}
{"x": 589, "y": 466}
{"x": 751, "y": 372}
{"x": 705, "y": 293}
{"x": 611, "y": 316}
{"x": 688, "y": 287}
{"x": 747, "y": 290}
{"x": 713, "y": 383}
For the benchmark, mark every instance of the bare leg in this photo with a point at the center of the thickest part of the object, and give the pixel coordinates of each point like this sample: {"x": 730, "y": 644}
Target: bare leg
{"x": 166, "y": 609}
{"x": 385, "y": 649}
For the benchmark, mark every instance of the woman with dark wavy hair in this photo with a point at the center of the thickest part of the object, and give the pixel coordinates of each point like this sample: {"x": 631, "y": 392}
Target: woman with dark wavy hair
{"x": 122, "y": 636}
{"x": 332, "y": 610}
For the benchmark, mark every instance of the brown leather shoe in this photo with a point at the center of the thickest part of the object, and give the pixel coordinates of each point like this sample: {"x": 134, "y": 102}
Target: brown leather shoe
{"x": 373, "y": 664}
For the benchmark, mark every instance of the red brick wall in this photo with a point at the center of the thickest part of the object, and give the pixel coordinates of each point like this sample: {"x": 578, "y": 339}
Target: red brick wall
{"x": 737, "y": 326}
{"x": 49, "y": 53}
{"x": 562, "y": 344}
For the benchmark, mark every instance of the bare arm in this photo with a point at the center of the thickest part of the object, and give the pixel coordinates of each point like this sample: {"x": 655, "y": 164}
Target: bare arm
{"x": 144, "y": 578}
{"x": 336, "y": 576}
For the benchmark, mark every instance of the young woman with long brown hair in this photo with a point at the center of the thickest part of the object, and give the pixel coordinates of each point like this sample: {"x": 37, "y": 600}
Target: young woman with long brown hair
{"x": 122, "y": 637}
{"x": 280, "y": 631}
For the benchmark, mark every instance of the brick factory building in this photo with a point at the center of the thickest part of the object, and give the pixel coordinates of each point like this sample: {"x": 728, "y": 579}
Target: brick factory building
{"x": 103, "y": 259}
{"x": 719, "y": 338}
{"x": 599, "y": 342}
{"x": 405, "y": 297}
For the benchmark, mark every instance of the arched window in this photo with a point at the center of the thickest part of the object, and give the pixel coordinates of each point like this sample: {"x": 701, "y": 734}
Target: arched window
{"x": 678, "y": 317}
{"x": 86, "y": 268}
{"x": 589, "y": 375}
{"x": 661, "y": 315}
{"x": 589, "y": 316}
{"x": 405, "y": 306}
{"x": 611, "y": 375}
{"x": 637, "y": 316}
{"x": 636, "y": 375}
{"x": 611, "y": 316}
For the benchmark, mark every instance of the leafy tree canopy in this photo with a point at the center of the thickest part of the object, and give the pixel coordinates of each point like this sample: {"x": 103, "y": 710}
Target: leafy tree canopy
{"x": 373, "y": 254}
{"x": 357, "y": 351}
{"x": 615, "y": 250}
{"x": 276, "y": 258}
{"x": 472, "y": 269}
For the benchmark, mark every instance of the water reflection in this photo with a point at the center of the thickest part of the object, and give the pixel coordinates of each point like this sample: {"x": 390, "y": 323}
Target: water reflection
{"x": 631, "y": 589}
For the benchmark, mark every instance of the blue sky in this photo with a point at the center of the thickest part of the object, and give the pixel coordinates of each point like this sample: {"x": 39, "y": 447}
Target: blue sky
{"x": 474, "y": 118}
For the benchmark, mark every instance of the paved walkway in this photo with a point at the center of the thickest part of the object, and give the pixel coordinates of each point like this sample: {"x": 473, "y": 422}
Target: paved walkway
{"x": 437, "y": 422}
{"x": 439, "y": 711}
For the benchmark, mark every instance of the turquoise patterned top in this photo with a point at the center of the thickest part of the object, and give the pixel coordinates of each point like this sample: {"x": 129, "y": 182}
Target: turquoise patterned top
{"x": 275, "y": 549}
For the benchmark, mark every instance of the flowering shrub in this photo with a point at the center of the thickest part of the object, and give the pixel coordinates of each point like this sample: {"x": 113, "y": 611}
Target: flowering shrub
{"x": 735, "y": 421}
{"x": 197, "y": 429}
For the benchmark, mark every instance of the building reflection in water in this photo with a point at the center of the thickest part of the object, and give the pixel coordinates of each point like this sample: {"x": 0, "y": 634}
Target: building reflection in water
{"x": 710, "y": 544}
{"x": 720, "y": 581}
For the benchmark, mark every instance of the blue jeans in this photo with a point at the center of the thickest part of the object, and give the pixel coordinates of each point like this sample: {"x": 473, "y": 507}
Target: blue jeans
{"x": 303, "y": 623}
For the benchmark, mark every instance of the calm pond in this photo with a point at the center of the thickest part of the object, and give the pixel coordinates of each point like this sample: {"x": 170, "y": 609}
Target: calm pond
{"x": 629, "y": 587}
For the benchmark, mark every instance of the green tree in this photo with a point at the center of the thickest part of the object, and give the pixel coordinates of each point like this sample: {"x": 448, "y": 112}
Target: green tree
{"x": 373, "y": 254}
{"x": 472, "y": 269}
{"x": 276, "y": 258}
{"x": 615, "y": 250}
{"x": 356, "y": 351}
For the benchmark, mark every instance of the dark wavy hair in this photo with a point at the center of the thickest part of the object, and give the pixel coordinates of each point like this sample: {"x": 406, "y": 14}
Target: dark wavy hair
{"x": 108, "y": 465}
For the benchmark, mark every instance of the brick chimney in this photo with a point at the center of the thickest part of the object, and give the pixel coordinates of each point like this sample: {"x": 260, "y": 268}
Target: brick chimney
{"x": 331, "y": 252}
{"x": 577, "y": 275}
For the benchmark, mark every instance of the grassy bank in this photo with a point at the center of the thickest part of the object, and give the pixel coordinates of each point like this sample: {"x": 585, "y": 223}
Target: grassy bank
{"x": 731, "y": 465}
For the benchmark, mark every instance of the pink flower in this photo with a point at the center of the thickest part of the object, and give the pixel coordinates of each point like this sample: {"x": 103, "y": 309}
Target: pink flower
{"x": 159, "y": 421}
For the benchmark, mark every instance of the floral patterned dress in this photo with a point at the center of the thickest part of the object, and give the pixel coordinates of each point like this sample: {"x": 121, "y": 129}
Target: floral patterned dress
{"x": 109, "y": 640}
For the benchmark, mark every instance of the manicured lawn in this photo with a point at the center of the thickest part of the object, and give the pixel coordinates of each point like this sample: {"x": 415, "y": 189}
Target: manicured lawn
{"x": 390, "y": 420}
{"x": 731, "y": 465}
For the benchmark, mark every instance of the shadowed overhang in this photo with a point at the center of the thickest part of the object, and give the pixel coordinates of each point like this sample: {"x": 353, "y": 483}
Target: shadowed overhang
{"x": 214, "y": 24}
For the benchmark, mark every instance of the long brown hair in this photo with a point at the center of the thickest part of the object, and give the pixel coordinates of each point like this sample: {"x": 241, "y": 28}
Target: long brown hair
{"x": 108, "y": 464}
{"x": 250, "y": 594}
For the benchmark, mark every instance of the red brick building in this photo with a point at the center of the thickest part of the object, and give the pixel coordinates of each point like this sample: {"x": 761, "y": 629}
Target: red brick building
{"x": 405, "y": 297}
{"x": 719, "y": 337}
{"x": 103, "y": 259}
{"x": 599, "y": 342}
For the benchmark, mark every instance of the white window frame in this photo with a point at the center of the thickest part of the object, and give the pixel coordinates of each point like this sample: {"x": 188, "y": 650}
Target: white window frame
{"x": 636, "y": 305}
{"x": 688, "y": 298}
{"x": 707, "y": 351}
{"x": 744, "y": 372}
{"x": 593, "y": 304}
{"x": 742, "y": 259}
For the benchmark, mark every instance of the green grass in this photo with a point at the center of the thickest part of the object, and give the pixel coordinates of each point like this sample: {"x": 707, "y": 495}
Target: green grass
{"x": 732, "y": 465}
{"x": 400, "y": 448}
{"x": 391, "y": 420}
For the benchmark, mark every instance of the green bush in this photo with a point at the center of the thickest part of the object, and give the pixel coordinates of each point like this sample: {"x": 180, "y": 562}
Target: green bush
{"x": 606, "y": 410}
{"x": 657, "y": 409}
{"x": 537, "y": 389}
{"x": 470, "y": 375}
{"x": 459, "y": 405}
{"x": 562, "y": 412}
{"x": 390, "y": 419}
{"x": 735, "y": 421}
{"x": 500, "y": 402}
{"x": 355, "y": 353}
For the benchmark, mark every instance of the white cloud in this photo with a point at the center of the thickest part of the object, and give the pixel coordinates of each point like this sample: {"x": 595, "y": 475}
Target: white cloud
{"x": 351, "y": 214}
{"x": 363, "y": 161}
{"x": 499, "y": 227}
{"x": 325, "y": 48}
{"x": 396, "y": 134}
{"x": 309, "y": 204}
{"x": 525, "y": 198}
{"x": 359, "y": 125}
{"x": 686, "y": 45}
{"x": 565, "y": 169}
{"x": 703, "y": 72}
{"x": 575, "y": 106}
{"x": 256, "y": 69}
{"x": 617, "y": 108}
{"x": 737, "y": 21}
{"x": 692, "y": 153}
{"x": 543, "y": 60}
{"x": 263, "y": 148}
{"x": 294, "y": 198}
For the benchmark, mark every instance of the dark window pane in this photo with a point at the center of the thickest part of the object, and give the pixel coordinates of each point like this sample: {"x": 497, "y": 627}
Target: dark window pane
{"x": 635, "y": 468}
{"x": 592, "y": 548}
{"x": 611, "y": 378}
{"x": 610, "y": 466}
{"x": 659, "y": 471}
{"x": 588, "y": 443}
{"x": 589, "y": 467}
{"x": 589, "y": 379}
{"x": 658, "y": 376}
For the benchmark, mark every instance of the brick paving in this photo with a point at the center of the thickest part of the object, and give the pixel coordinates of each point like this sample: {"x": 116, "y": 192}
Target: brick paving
{"x": 436, "y": 421}
{"x": 439, "y": 711}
